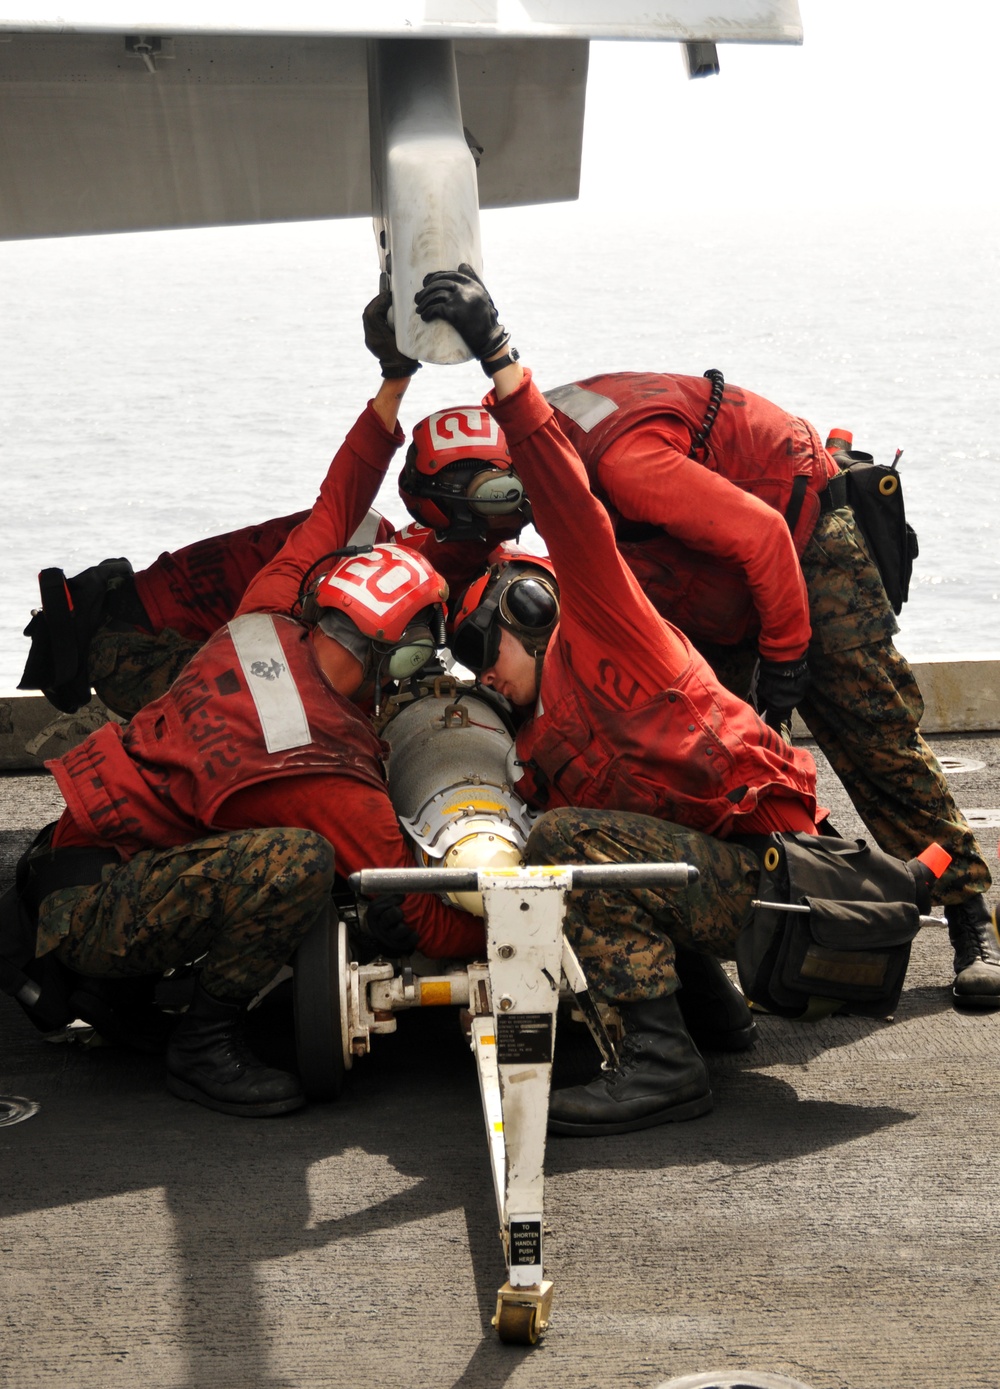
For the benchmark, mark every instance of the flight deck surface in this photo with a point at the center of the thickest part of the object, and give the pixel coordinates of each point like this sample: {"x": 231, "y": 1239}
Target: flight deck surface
{"x": 834, "y": 1219}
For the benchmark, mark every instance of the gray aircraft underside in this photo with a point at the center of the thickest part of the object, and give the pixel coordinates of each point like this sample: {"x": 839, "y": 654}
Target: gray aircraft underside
{"x": 123, "y": 117}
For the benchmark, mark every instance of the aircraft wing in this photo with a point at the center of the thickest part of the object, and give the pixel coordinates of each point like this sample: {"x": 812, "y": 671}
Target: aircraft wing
{"x": 122, "y": 117}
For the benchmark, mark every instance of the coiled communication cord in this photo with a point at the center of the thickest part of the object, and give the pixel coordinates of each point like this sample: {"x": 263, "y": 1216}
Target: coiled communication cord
{"x": 700, "y": 440}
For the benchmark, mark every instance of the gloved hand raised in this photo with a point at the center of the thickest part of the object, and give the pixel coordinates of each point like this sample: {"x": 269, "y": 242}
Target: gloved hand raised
{"x": 386, "y": 925}
{"x": 780, "y": 687}
{"x": 460, "y": 298}
{"x": 380, "y": 339}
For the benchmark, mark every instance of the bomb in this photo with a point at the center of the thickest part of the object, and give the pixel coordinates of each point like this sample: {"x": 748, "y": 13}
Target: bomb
{"x": 450, "y": 782}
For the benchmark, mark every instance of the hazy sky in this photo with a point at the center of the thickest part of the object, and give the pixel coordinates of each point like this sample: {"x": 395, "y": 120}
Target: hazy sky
{"x": 886, "y": 100}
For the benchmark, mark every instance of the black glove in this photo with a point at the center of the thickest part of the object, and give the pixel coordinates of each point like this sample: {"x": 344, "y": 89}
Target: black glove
{"x": 381, "y": 340}
{"x": 780, "y": 686}
{"x": 461, "y": 299}
{"x": 386, "y": 924}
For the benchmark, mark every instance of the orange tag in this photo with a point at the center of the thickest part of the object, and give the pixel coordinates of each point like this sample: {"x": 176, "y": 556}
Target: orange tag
{"x": 936, "y": 859}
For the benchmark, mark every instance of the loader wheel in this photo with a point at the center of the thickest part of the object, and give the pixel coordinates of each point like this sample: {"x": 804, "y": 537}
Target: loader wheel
{"x": 517, "y": 1325}
{"x": 320, "y": 992}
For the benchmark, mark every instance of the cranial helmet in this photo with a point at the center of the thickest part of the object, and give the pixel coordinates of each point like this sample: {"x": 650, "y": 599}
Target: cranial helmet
{"x": 519, "y": 592}
{"x": 458, "y": 477}
{"x": 385, "y": 603}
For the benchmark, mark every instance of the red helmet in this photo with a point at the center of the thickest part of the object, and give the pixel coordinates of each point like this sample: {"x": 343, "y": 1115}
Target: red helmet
{"x": 413, "y": 536}
{"x": 382, "y": 590}
{"x": 458, "y": 476}
{"x": 518, "y": 591}
{"x": 496, "y": 561}
{"x": 507, "y": 552}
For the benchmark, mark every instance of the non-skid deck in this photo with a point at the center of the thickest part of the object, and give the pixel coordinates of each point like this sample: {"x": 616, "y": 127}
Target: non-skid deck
{"x": 835, "y": 1218}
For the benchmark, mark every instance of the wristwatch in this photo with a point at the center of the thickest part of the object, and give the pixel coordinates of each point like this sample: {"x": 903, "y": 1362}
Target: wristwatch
{"x": 492, "y": 368}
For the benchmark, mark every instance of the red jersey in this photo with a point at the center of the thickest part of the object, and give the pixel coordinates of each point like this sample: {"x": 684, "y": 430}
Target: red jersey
{"x": 629, "y": 716}
{"x": 195, "y": 590}
{"x": 706, "y": 536}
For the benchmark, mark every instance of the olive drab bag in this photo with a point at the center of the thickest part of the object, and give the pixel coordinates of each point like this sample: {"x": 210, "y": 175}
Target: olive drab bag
{"x": 850, "y": 949}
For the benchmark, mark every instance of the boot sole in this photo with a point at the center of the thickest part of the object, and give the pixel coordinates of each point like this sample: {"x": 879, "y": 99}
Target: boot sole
{"x": 184, "y": 1091}
{"x": 975, "y": 1003}
{"x": 693, "y": 1109}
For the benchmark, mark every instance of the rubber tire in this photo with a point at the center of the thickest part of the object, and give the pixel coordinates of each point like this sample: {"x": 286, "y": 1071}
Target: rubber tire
{"x": 518, "y": 1325}
{"x": 319, "y": 990}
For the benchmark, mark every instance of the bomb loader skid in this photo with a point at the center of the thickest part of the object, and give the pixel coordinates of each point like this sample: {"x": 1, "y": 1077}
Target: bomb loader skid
{"x": 510, "y": 1005}
{"x": 448, "y": 778}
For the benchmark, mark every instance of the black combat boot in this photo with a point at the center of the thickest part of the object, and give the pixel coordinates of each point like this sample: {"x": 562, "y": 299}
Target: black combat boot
{"x": 715, "y": 1012}
{"x": 973, "y": 935}
{"x": 660, "y": 1077}
{"x": 209, "y": 1061}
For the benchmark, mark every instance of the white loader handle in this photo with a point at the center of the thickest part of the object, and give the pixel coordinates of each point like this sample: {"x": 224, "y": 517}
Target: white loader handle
{"x": 567, "y": 876}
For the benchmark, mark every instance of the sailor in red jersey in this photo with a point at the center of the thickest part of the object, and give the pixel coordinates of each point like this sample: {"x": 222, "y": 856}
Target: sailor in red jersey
{"x": 626, "y": 714}
{"x": 621, "y": 715}
{"x": 736, "y": 522}
{"x": 715, "y": 528}
{"x": 265, "y": 727}
{"x": 127, "y": 635}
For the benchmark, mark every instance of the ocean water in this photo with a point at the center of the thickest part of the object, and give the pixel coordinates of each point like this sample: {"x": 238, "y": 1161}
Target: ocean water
{"x": 161, "y": 387}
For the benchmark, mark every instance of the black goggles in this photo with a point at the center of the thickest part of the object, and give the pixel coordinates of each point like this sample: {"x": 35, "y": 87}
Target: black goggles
{"x": 526, "y": 604}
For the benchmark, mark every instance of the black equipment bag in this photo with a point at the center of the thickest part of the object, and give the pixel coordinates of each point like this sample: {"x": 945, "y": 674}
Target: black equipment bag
{"x": 875, "y": 495}
{"x": 45, "y": 988}
{"x": 62, "y": 629}
{"x": 851, "y": 948}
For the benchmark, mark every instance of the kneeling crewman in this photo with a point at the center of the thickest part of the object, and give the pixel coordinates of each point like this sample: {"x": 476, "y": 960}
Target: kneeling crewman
{"x": 212, "y": 822}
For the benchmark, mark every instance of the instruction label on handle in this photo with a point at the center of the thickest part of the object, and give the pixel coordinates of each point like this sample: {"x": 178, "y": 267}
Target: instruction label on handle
{"x": 524, "y": 1038}
{"x": 525, "y": 1243}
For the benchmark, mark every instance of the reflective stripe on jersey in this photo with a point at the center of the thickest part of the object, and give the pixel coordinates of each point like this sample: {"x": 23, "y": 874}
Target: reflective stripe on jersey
{"x": 367, "y": 532}
{"x": 270, "y": 682}
{"x": 586, "y": 408}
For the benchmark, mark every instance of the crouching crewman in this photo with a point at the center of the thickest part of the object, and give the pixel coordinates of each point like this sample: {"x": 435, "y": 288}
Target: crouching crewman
{"x": 211, "y": 824}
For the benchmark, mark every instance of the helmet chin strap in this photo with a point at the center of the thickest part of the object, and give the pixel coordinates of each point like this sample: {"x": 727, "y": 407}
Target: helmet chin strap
{"x": 534, "y": 648}
{"x": 373, "y": 672}
{"x": 367, "y": 652}
{"x": 539, "y": 663}
{"x": 468, "y": 528}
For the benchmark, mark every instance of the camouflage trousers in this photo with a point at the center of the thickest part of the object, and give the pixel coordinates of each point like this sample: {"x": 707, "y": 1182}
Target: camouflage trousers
{"x": 864, "y": 709}
{"x": 129, "y": 668}
{"x": 241, "y": 900}
{"x": 625, "y": 937}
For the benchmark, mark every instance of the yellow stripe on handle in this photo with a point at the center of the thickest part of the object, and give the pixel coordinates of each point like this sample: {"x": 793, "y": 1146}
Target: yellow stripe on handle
{"x": 435, "y": 993}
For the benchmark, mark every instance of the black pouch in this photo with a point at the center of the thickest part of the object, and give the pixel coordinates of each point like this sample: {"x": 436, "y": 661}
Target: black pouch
{"x": 41, "y": 987}
{"x": 62, "y": 629}
{"x": 850, "y": 949}
{"x": 875, "y": 495}
{"x": 44, "y": 987}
